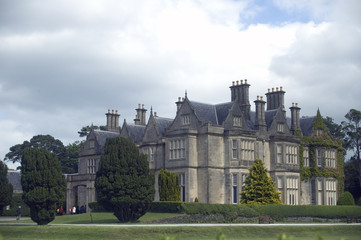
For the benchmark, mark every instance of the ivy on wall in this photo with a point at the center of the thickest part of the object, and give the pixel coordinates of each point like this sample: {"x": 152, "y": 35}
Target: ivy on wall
{"x": 321, "y": 140}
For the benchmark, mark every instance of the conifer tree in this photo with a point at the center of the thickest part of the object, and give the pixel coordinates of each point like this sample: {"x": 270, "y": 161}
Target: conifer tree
{"x": 169, "y": 189}
{"x": 6, "y": 189}
{"x": 123, "y": 182}
{"x": 259, "y": 187}
{"x": 43, "y": 184}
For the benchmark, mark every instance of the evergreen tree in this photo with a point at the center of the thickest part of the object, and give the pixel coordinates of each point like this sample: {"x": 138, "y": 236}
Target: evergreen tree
{"x": 123, "y": 182}
{"x": 43, "y": 184}
{"x": 6, "y": 189}
{"x": 259, "y": 187}
{"x": 169, "y": 189}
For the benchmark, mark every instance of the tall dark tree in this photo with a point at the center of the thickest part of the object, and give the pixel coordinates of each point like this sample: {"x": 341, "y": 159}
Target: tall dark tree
{"x": 123, "y": 182}
{"x": 6, "y": 189}
{"x": 352, "y": 130}
{"x": 43, "y": 184}
{"x": 334, "y": 129}
{"x": 169, "y": 188}
{"x": 69, "y": 163}
{"x": 259, "y": 187}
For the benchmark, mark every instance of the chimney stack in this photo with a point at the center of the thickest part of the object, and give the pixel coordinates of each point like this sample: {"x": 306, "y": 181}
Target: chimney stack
{"x": 260, "y": 121}
{"x": 240, "y": 93}
{"x": 295, "y": 118}
{"x": 113, "y": 121}
{"x": 140, "y": 118}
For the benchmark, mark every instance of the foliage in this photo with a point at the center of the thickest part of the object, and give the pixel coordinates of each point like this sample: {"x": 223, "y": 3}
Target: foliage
{"x": 123, "y": 182}
{"x": 169, "y": 189}
{"x": 352, "y": 130}
{"x": 84, "y": 131}
{"x": 281, "y": 212}
{"x": 6, "y": 189}
{"x": 17, "y": 201}
{"x": 321, "y": 141}
{"x": 43, "y": 184}
{"x": 96, "y": 207}
{"x": 259, "y": 187}
{"x": 68, "y": 156}
{"x": 352, "y": 180}
{"x": 165, "y": 206}
{"x": 346, "y": 198}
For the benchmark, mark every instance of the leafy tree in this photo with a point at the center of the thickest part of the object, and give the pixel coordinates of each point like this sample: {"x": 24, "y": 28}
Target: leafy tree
{"x": 334, "y": 129}
{"x": 352, "y": 130}
{"x": 43, "y": 184}
{"x": 6, "y": 189}
{"x": 259, "y": 187}
{"x": 46, "y": 142}
{"x": 123, "y": 182}
{"x": 68, "y": 156}
{"x": 85, "y": 130}
{"x": 69, "y": 163}
{"x": 346, "y": 198}
{"x": 169, "y": 189}
{"x": 352, "y": 181}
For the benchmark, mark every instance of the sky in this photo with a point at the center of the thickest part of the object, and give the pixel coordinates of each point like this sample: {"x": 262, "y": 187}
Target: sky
{"x": 64, "y": 63}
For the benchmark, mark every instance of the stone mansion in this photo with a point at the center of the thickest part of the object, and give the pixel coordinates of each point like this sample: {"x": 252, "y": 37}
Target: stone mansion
{"x": 212, "y": 146}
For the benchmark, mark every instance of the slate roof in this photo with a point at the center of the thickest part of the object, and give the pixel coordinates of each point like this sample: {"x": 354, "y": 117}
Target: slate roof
{"x": 306, "y": 124}
{"x": 14, "y": 178}
{"x": 162, "y": 123}
{"x": 136, "y": 132}
{"x": 269, "y": 115}
{"x": 103, "y": 135}
{"x": 215, "y": 114}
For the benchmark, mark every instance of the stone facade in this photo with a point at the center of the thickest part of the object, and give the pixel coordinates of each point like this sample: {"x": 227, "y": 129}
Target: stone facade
{"x": 211, "y": 147}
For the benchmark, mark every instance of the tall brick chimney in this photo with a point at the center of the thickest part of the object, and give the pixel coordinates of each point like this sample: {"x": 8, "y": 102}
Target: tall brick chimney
{"x": 240, "y": 93}
{"x": 275, "y": 99}
{"x": 140, "y": 118}
{"x": 260, "y": 121}
{"x": 113, "y": 121}
{"x": 295, "y": 118}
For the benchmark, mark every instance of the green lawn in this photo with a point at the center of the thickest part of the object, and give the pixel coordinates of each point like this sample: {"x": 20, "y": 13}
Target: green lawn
{"x": 19, "y": 231}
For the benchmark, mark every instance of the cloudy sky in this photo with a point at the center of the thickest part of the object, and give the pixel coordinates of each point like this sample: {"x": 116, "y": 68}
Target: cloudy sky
{"x": 63, "y": 64}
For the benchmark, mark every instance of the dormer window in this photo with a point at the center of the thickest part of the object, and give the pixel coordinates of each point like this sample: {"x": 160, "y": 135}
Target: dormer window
{"x": 319, "y": 132}
{"x": 186, "y": 119}
{"x": 91, "y": 144}
{"x": 280, "y": 127}
{"x": 237, "y": 122}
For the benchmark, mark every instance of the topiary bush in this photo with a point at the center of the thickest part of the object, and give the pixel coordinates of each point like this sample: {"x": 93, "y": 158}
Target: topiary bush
{"x": 346, "y": 198}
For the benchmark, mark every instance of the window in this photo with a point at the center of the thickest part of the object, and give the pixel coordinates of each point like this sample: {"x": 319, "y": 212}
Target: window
{"x": 306, "y": 158}
{"x": 292, "y": 191}
{"x": 247, "y": 150}
{"x": 280, "y": 127}
{"x": 237, "y": 122}
{"x": 244, "y": 176}
{"x": 151, "y": 153}
{"x": 319, "y": 157}
{"x": 177, "y": 149}
{"x": 319, "y": 192}
{"x": 279, "y": 154}
{"x": 91, "y": 144}
{"x": 234, "y": 149}
{"x": 91, "y": 166}
{"x": 330, "y": 158}
{"x": 182, "y": 185}
{"x": 331, "y": 192}
{"x": 291, "y": 154}
{"x": 186, "y": 119}
{"x": 234, "y": 187}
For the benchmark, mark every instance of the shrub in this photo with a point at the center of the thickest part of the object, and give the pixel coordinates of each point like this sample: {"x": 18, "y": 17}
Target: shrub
{"x": 96, "y": 207}
{"x": 169, "y": 188}
{"x": 166, "y": 207}
{"x": 123, "y": 181}
{"x": 359, "y": 201}
{"x": 16, "y": 202}
{"x": 346, "y": 198}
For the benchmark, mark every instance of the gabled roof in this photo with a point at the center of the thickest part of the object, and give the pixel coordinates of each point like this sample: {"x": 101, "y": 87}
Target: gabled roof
{"x": 215, "y": 114}
{"x": 162, "y": 123}
{"x": 306, "y": 124}
{"x": 269, "y": 115}
{"x": 136, "y": 132}
{"x": 102, "y": 136}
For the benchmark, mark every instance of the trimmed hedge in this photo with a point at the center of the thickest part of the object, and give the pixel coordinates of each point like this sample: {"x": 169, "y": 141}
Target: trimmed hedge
{"x": 227, "y": 210}
{"x": 280, "y": 212}
{"x": 166, "y": 207}
{"x": 96, "y": 207}
{"x": 346, "y": 198}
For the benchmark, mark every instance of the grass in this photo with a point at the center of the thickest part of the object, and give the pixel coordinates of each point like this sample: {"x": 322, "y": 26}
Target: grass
{"x": 244, "y": 232}
{"x": 55, "y": 232}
